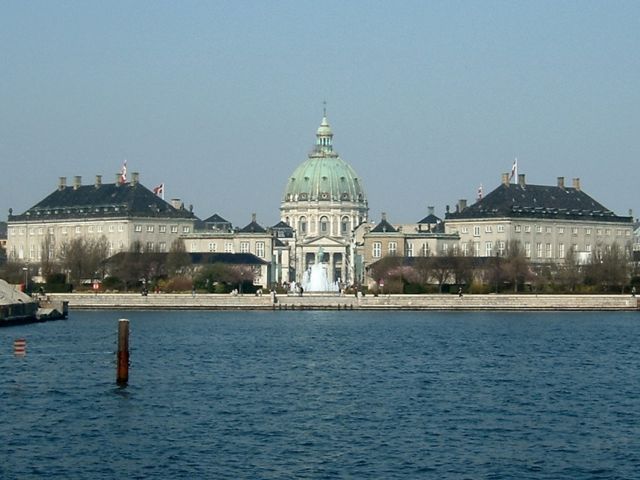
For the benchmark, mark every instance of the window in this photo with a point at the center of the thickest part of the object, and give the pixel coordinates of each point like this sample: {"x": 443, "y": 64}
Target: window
{"x": 244, "y": 247}
{"x": 41, "y": 231}
{"x": 464, "y": 229}
{"x": 377, "y": 249}
{"x": 517, "y": 228}
{"x": 149, "y": 247}
{"x": 174, "y": 228}
{"x": 476, "y": 249}
{"x": 149, "y": 228}
{"x": 228, "y": 247}
{"x": 488, "y": 229}
{"x": 303, "y": 225}
{"x": 121, "y": 228}
{"x": 162, "y": 228}
{"x": 424, "y": 251}
{"x": 476, "y": 231}
{"x": 393, "y": 248}
{"x": 549, "y": 251}
{"x": 539, "y": 249}
{"x": 465, "y": 250}
{"x": 587, "y": 231}
{"x": 112, "y": 228}
{"x": 574, "y": 231}
{"x": 445, "y": 249}
{"x": 212, "y": 247}
{"x": 538, "y": 228}
{"x": 90, "y": 229}
{"x": 64, "y": 230}
{"x": 162, "y": 246}
{"x": 561, "y": 250}
{"x": 500, "y": 228}
{"x": 99, "y": 229}
{"x": 587, "y": 247}
{"x": 548, "y": 230}
{"x": 501, "y": 248}
{"x": 324, "y": 225}
{"x": 138, "y": 228}
{"x": 32, "y": 231}
{"x": 186, "y": 229}
{"x": 527, "y": 249}
{"x": 560, "y": 230}
{"x": 78, "y": 229}
{"x": 51, "y": 230}
{"x": 607, "y": 232}
{"x": 619, "y": 232}
{"x": 527, "y": 228}
{"x": 488, "y": 247}
{"x": 260, "y": 249}
{"x": 599, "y": 231}
{"x": 344, "y": 225}
{"x": 410, "y": 250}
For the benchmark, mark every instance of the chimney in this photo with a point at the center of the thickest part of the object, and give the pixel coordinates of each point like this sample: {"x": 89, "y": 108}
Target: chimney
{"x": 576, "y": 183}
{"x": 561, "y": 182}
{"x": 462, "y": 204}
{"x": 253, "y": 217}
{"x": 176, "y": 203}
{"x": 98, "y": 181}
{"x": 521, "y": 180}
{"x": 384, "y": 216}
{"x": 631, "y": 212}
{"x": 63, "y": 183}
{"x": 135, "y": 178}
{"x": 77, "y": 181}
{"x": 430, "y": 210}
{"x": 505, "y": 179}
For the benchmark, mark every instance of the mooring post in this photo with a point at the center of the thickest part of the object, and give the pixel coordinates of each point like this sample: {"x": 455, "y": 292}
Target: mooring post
{"x": 123, "y": 352}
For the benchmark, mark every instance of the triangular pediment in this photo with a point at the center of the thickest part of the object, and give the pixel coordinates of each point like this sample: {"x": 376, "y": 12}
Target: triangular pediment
{"x": 323, "y": 242}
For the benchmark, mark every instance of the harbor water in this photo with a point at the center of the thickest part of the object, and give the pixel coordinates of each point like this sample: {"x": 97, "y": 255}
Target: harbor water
{"x": 324, "y": 394}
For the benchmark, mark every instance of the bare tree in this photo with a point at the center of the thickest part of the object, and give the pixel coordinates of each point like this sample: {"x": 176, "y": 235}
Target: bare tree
{"x": 516, "y": 265}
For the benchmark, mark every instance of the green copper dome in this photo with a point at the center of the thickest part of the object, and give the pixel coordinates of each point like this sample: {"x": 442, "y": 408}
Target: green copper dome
{"x": 324, "y": 176}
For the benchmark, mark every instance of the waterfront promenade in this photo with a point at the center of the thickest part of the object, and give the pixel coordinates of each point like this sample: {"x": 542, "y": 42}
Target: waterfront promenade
{"x": 201, "y": 301}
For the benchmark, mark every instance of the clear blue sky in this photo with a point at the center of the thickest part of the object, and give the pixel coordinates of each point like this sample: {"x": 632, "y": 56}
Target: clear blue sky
{"x": 221, "y": 100}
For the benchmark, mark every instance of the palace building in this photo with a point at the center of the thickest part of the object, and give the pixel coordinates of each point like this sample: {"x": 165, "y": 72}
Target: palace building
{"x": 124, "y": 213}
{"x": 547, "y": 221}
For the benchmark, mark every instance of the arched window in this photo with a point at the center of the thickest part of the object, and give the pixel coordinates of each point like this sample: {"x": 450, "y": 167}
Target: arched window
{"x": 324, "y": 225}
{"x": 344, "y": 225}
{"x": 303, "y": 225}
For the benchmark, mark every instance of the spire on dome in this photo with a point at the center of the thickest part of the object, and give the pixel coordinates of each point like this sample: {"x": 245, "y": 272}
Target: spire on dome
{"x": 324, "y": 135}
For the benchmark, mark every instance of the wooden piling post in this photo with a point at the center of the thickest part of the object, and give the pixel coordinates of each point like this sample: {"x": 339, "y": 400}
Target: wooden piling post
{"x": 123, "y": 352}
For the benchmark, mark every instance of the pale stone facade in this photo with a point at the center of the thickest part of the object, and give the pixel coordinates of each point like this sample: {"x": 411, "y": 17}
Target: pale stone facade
{"x": 545, "y": 232}
{"x": 251, "y": 239}
{"x": 92, "y": 212}
{"x": 324, "y": 202}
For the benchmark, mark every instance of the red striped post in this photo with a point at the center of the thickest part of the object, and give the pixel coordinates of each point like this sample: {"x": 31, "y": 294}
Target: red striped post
{"x": 20, "y": 347}
{"x": 123, "y": 352}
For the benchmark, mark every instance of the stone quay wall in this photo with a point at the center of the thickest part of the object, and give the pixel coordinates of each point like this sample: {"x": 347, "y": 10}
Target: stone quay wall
{"x": 201, "y": 301}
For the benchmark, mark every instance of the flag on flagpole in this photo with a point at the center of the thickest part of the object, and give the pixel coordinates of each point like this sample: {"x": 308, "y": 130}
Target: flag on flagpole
{"x": 514, "y": 170}
{"x": 480, "y": 192}
{"x": 123, "y": 173}
{"x": 159, "y": 190}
